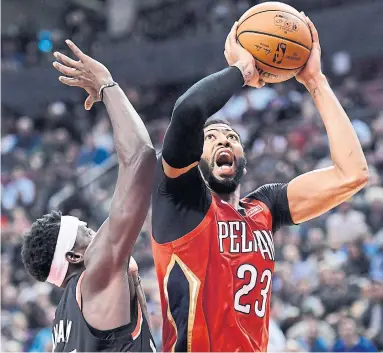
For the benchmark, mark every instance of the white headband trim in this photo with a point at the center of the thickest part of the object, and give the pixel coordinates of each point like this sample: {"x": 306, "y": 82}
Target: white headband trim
{"x": 65, "y": 242}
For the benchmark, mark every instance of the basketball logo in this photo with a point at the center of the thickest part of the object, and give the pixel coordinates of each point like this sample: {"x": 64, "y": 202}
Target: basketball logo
{"x": 286, "y": 24}
{"x": 279, "y": 53}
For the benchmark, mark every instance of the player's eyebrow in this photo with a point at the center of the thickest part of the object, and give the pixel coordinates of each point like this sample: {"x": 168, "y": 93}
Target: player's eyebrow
{"x": 217, "y": 129}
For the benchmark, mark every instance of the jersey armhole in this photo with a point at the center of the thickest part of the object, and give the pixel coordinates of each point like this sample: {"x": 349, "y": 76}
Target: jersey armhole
{"x": 78, "y": 291}
{"x": 137, "y": 328}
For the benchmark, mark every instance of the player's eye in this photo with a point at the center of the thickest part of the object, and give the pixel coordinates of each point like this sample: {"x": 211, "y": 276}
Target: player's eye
{"x": 209, "y": 137}
{"x": 233, "y": 137}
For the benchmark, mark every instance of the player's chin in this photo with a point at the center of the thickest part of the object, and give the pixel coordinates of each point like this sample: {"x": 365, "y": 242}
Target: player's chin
{"x": 225, "y": 172}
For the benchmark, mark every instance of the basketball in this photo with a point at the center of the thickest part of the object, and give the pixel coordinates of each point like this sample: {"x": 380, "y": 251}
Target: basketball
{"x": 278, "y": 37}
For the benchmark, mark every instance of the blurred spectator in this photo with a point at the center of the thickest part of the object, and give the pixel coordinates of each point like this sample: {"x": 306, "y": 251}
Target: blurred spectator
{"x": 376, "y": 271}
{"x": 312, "y": 340}
{"x": 372, "y": 316}
{"x": 357, "y": 263}
{"x": 277, "y": 340}
{"x": 349, "y": 339}
{"x": 334, "y": 290}
{"x": 325, "y": 269}
{"x": 90, "y": 154}
{"x": 19, "y": 190}
{"x": 346, "y": 224}
{"x": 312, "y": 335}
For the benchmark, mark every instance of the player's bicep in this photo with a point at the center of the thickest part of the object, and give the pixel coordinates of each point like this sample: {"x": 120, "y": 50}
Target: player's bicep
{"x": 314, "y": 193}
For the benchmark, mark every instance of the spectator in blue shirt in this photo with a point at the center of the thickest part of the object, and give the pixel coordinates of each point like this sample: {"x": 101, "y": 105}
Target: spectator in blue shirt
{"x": 311, "y": 340}
{"x": 349, "y": 339}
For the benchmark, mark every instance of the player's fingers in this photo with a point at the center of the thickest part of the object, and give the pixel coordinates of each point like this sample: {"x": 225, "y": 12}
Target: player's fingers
{"x": 260, "y": 83}
{"x": 76, "y": 51}
{"x": 227, "y": 56}
{"x": 256, "y": 78}
{"x": 70, "y": 81}
{"x": 68, "y": 61}
{"x": 227, "y": 42}
{"x": 304, "y": 17}
{"x": 313, "y": 30}
{"x": 233, "y": 33}
{"x": 68, "y": 71}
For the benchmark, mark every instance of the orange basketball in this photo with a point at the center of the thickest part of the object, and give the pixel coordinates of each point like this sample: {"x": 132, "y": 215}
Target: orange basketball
{"x": 278, "y": 37}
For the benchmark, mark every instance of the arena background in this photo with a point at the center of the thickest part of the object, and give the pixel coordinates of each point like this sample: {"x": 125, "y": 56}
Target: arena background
{"x": 55, "y": 155}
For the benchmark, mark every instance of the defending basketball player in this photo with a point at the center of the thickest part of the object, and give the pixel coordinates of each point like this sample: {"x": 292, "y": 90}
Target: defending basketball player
{"x": 213, "y": 251}
{"x": 102, "y": 305}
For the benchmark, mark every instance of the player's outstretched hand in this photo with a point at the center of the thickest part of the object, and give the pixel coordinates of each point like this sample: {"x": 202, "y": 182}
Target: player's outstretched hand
{"x": 86, "y": 73}
{"x": 312, "y": 70}
{"x": 236, "y": 55}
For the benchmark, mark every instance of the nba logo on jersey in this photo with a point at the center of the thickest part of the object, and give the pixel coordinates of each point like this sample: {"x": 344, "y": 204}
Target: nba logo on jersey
{"x": 254, "y": 210}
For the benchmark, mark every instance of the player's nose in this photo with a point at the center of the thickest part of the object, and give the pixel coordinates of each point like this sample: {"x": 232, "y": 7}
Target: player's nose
{"x": 223, "y": 141}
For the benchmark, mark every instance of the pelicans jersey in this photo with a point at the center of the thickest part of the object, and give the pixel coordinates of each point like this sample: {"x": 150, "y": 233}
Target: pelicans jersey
{"x": 71, "y": 332}
{"x": 214, "y": 263}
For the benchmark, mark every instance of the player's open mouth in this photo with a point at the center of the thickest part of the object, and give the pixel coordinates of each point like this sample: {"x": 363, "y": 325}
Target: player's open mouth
{"x": 225, "y": 161}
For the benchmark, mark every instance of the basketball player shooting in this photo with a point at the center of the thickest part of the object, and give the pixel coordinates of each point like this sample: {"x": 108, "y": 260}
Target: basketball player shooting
{"x": 102, "y": 306}
{"x": 213, "y": 251}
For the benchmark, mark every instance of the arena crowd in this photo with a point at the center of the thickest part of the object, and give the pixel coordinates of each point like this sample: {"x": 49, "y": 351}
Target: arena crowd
{"x": 328, "y": 282}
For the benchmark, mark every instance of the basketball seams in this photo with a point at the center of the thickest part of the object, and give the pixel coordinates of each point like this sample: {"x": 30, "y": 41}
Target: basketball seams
{"x": 275, "y": 36}
{"x": 257, "y": 13}
{"x": 274, "y": 67}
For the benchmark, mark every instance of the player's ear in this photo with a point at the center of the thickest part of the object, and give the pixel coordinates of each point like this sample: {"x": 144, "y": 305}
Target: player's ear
{"x": 74, "y": 257}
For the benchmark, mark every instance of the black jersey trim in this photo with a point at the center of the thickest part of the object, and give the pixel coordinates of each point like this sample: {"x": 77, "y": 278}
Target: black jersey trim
{"x": 193, "y": 233}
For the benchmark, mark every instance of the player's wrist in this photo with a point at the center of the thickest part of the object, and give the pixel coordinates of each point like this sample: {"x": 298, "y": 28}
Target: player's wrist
{"x": 103, "y": 79}
{"x": 315, "y": 82}
{"x": 247, "y": 68}
{"x": 105, "y": 87}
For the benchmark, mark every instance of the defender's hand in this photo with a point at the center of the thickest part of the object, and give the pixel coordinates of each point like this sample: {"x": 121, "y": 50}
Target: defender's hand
{"x": 237, "y": 56}
{"x": 312, "y": 71}
{"x": 86, "y": 73}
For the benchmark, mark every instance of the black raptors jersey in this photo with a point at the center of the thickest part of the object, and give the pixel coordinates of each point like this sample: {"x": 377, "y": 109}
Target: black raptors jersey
{"x": 71, "y": 332}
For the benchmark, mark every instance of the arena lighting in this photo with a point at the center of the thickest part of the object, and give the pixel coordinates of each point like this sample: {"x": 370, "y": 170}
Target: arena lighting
{"x": 45, "y": 42}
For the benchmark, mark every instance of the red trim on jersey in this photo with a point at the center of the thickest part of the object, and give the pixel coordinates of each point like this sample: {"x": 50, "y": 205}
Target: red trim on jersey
{"x": 137, "y": 329}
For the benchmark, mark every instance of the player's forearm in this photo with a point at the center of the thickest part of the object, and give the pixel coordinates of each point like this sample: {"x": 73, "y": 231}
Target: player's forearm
{"x": 130, "y": 134}
{"x": 345, "y": 148}
{"x": 184, "y": 139}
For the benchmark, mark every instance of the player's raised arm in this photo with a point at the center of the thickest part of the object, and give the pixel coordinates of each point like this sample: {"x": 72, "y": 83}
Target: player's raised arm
{"x": 109, "y": 252}
{"x": 183, "y": 143}
{"x": 314, "y": 193}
